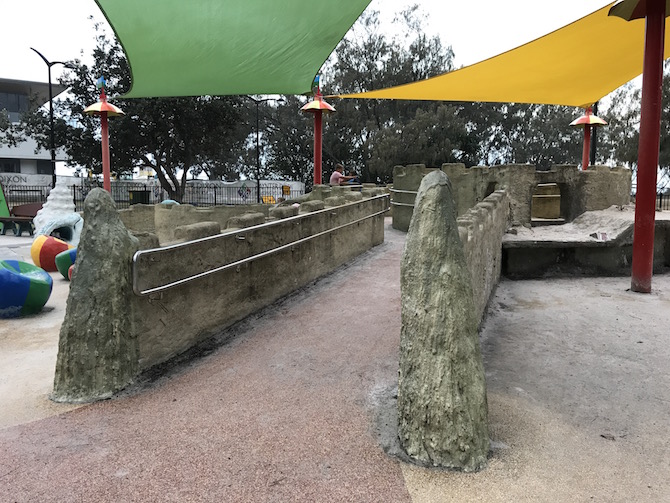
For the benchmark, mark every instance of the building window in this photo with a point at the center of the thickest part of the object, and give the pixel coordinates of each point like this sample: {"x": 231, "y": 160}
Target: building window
{"x": 14, "y": 104}
{"x": 43, "y": 167}
{"x": 10, "y": 165}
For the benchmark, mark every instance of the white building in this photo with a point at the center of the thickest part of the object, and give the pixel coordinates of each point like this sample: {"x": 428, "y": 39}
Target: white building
{"x": 25, "y": 164}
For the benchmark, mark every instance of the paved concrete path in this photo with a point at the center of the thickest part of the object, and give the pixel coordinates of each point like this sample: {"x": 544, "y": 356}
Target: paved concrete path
{"x": 293, "y": 407}
{"x": 283, "y": 412}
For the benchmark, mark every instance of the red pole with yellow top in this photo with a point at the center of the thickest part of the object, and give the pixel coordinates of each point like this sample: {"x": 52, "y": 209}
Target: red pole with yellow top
{"x": 318, "y": 107}
{"x": 104, "y": 110}
{"x": 588, "y": 121}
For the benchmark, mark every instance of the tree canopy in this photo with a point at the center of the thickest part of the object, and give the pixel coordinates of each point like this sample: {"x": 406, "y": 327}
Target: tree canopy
{"x": 218, "y": 137}
{"x": 172, "y": 136}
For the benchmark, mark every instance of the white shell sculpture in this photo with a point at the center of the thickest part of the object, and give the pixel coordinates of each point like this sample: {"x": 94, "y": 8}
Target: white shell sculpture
{"x": 58, "y": 217}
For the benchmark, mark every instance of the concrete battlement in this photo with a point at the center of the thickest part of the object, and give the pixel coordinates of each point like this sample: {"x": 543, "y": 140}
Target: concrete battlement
{"x": 481, "y": 230}
{"x": 175, "y": 296}
{"x": 242, "y": 271}
{"x": 597, "y": 188}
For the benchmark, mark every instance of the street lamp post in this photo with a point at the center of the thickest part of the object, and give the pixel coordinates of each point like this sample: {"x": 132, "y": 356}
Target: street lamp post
{"x": 51, "y": 115}
{"x": 258, "y": 152}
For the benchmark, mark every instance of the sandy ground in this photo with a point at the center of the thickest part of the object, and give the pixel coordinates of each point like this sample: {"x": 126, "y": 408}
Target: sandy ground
{"x": 613, "y": 223}
{"x": 290, "y": 408}
{"x": 28, "y": 349}
{"x": 579, "y": 394}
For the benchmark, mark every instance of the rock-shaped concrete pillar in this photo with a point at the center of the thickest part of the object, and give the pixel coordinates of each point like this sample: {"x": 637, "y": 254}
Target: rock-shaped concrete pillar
{"x": 442, "y": 410}
{"x": 97, "y": 349}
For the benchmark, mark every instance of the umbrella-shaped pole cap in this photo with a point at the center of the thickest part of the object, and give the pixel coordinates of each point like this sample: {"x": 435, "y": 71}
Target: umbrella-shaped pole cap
{"x": 318, "y": 104}
{"x": 633, "y": 9}
{"x": 588, "y": 119}
{"x": 103, "y": 106}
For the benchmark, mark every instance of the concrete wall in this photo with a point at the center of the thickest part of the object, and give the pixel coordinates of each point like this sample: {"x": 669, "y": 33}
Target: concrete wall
{"x": 170, "y": 322}
{"x": 481, "y": 229}
{"x": 609, "y": 258}
{"x": 595, "y": 189}
{"x": 484, "y": 215}
{"x": 162, "y": 219}
{"x": 406, "y": 181}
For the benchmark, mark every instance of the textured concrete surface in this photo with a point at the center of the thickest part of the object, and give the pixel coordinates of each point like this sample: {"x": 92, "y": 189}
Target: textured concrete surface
{"x": 612, "y": 224}
{"x": 597, "y": 188}
{"x": 442, "y": 412}
{"x": 171, "y": 321}
{"x": 98, "y": 350}
{"x": 289, "y": 408}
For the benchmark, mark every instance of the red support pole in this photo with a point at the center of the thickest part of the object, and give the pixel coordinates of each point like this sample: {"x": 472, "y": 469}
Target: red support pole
{"x": 647, "y": 157}
{"x": 587, "y": 147}
{"x": 317, "y": 146}
{"x": 106, "y": 183}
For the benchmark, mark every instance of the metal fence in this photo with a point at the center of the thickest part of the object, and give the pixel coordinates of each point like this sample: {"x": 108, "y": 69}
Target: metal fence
{"x": 128, "y": 193}
{"x": 212, "y": 195}
{"x": 663, "y": 201}
{"x": 24, "y": 194}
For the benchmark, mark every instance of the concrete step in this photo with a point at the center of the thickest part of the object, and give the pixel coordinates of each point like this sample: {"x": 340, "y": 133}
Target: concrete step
{"x": 539, "y": 222}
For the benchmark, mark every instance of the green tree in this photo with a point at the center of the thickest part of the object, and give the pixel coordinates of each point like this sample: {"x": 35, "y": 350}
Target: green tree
{"x": 368, "y": 58}
{"x": 173, "y": 136}
{"x": 622, "y": 135}
{"x": 526, "y": 133}
{"x": 290, "y": 141}
{"x": 9, "y": 134}
{"x": 432, "y": 137}
{"x": 360, "y": 133}
{"x": 619, "y": 139}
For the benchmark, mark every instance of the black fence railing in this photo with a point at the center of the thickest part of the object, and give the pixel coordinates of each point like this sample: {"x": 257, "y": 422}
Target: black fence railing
{"x": 663, "y": 201}
{"x": 25, "y": 194}
{"x": 211, "y": 195}
{"x": 128, "y": 193}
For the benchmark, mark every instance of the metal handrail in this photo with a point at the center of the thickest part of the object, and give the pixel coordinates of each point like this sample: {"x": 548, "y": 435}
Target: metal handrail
{"x": 404, "y": 191}
{"x": 237, "y": 263}
{"x": 393, "y": 203}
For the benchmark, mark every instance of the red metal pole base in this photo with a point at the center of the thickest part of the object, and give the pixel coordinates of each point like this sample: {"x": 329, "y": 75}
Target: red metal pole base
{"x": 106, "y": 182}
{"x": 587, "y": 147}
{"x": 647, "y": 163}
{"x": 317, "y": 147}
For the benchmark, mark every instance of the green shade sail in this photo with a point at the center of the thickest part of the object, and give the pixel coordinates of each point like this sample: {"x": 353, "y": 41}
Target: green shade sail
{"x": 222, "y": 47}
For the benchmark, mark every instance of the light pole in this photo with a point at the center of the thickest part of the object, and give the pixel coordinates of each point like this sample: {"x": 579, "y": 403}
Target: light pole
{"x": 258, "y": 152}
{"x": 51, "y": 115}
{"x": 318, "y": 107}
{"x": 104, "y": 110}
{"x": 589, "y": 121}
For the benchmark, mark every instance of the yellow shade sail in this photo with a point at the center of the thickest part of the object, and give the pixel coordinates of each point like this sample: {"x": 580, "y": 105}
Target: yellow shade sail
{"x": 575, "y": 65}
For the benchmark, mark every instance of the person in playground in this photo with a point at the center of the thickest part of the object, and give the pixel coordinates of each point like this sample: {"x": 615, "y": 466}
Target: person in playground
{"x": 338, "y": 177}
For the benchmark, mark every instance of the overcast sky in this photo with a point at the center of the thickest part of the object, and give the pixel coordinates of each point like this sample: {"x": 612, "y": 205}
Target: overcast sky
{"x": 476, "y": 29}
